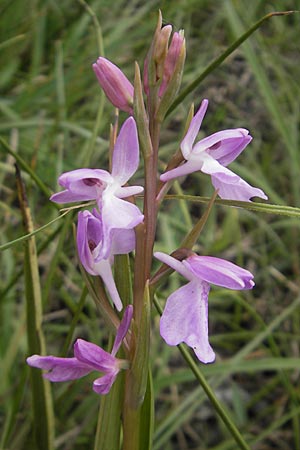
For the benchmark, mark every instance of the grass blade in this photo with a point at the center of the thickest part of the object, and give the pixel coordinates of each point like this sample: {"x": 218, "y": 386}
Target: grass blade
{"x": 43, "y": 421}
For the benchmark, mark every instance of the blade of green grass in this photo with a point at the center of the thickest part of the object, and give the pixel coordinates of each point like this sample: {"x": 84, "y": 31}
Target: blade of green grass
{"x": 43, "y": 417}
{"x": 218, "y": 61}
{"x": 282, "y": 210}
{"x": 267, "y": 92}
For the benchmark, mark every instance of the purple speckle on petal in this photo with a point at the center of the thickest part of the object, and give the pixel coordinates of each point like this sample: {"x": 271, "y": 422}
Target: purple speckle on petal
{"x": 93, "y": 182}
{"x": 92, "y": 244}
{"x": 215, "y": 146}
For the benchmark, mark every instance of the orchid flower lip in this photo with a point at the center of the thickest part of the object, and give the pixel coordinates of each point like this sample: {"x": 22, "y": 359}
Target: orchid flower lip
{"x": 108, "y": 189}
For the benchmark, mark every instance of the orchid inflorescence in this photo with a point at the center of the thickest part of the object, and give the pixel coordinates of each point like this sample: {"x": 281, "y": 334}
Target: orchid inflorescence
{"x": 116, "y": 225}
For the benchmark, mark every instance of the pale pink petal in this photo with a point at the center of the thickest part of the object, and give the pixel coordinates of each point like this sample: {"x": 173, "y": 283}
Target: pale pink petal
{"x": 229, "y": 149}
{"x": 123, "y": 329}
{"x": 230, "y": 186}
{"x": 185, "y": 319}
{"x": 174, "y": 263}
{"x": 235, "y": 188}
{"x": 61, "y": 369}
{"x": 189, "y": 139}
{"x": 94, "y": 356}
{"x": 89, "y": 235}
{"x": 128, "y": 191}
{"x": 220, "y": 272}
{"x": 211, "y": 166}
{"x": 123, "y": 241}
{"x": 193, "y": 165}
{"x": 81, "y": 185}
{"x": 68, "y": 178}
{"x": 103, "y": 384}
{"x": 126, "y": 152}
{"x": 224, "y": 146}
{"x": 103, "y": 268}
{"x": 70, "y": 197}
{"x": 117, "y": 213}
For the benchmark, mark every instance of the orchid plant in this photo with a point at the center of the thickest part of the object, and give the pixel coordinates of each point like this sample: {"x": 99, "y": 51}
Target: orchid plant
{"x": 116, "y": 225}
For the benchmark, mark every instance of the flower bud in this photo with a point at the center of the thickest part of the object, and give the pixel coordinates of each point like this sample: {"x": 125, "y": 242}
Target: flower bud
{"x": 115, "y": 84}
{"x": 163, "y": 66}
{"x": 173, "y": 70}
{"x": 160, "y": 50}
{"x": 173, "y": 56}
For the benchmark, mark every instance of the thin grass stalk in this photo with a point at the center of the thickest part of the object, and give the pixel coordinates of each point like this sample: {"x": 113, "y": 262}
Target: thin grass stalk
{"x": 23, "y": 164}
{"x": 43, "y": 416}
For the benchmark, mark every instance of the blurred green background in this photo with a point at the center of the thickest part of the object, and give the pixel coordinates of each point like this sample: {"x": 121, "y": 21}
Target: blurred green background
{"x": 48, "y": 106}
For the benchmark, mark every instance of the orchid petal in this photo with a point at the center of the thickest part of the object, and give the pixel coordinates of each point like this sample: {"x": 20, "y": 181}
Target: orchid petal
{"x": 125, "y": 159}
{"x": 225, "y": 145}
{"x": 220, "y": 272}
{"x": 117, "y": 213}
{"x": 229, "y": 148}
{"x": 189, "y": 139}
{"x": 186, "y": 168}
{"x": 103, "y": 268}
{"x": 211, "y": 166}
{"x": 235, "y": 188}
{"x": 128, "y": 191}
{"x": 123, "y": 241}
{"x": 81, "y": 185}
{"x": 185, "y": 319}
{"x": 71, "y": 197}
{"x": 174, "y": 263}
{"x": 89, "y": 230}
{"x": 61, "y": 369}
{"x": 230, "y": 186}
{"x": 94, "y": 356}
{"x": 123, "y": 329}
{"x": 68, "y": 178}
{"x": 103, "y": 384}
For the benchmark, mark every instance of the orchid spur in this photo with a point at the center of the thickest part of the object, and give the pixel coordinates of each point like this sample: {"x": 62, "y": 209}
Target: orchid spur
{"x": 185, "y": 317}
{"x": 108, "y": 188}
{"x": 87, "y": 358}
{"x": 211, "y": 155}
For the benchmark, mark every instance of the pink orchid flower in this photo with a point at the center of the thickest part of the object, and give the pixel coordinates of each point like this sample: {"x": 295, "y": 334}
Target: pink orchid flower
{"x": 87, "y": 358}
{"x": 211, "y": 155}
{"x": 108, "y": 188}
{"x": 185, "y": 317}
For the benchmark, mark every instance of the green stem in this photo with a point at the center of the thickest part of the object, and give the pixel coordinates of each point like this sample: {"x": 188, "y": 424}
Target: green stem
{"x": 131, "y": 424}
